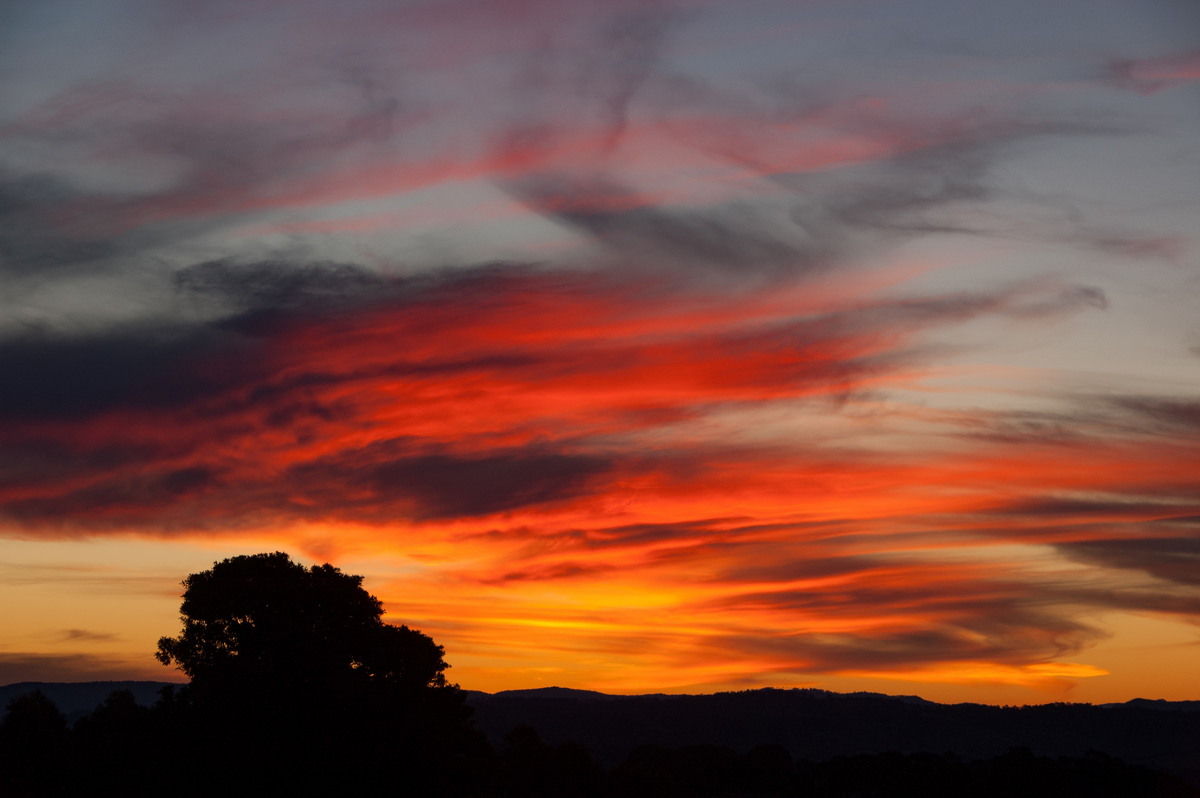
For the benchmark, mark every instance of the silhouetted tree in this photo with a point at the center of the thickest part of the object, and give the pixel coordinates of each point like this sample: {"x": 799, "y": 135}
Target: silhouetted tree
{"x": 299, "y": 685}
{"x": 263, "y": 618}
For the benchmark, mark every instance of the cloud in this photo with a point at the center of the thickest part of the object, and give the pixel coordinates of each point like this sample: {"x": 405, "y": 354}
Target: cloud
{"x": 337, "y": 394}
{"x": 605, "y": 72}
{"x": 204, "y": 152}
{"x": 88, "y": 579}
{"x": 23, "y": 667}
{"x": 79, "y": 376}
{"x": 29, "y": 244}
{"x": 76, "y": 635}
{"x": 1168, "y": 415}
{"x": 1171, "y": 559}
{"x": 1083, "y": 419}
{"x": 1152, "y": 75}
{"x": 1038, "y": 638}
{"x": 1112, "y": 507}
{"x": 928, "y": 611}
{"x": 385, "y": 483}
{"x": 565, "y": 570}
{"x": 274, "y": 285}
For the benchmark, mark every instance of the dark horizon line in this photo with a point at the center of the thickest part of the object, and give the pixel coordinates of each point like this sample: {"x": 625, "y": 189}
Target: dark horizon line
{"x": 567, "y": 691}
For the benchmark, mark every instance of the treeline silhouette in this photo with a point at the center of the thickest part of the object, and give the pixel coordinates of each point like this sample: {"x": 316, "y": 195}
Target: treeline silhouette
{"x": 124, "y": 748}
{"x": 297, "y": 687}
{"x": 819, "y": 725}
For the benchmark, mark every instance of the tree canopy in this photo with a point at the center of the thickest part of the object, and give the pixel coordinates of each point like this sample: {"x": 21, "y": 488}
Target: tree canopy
{"x": 262, "y": 618}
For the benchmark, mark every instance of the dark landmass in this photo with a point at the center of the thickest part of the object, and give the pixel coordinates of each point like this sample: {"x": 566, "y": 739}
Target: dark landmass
{"x": 817, "y": 725}
{"x": 770, "y": 742}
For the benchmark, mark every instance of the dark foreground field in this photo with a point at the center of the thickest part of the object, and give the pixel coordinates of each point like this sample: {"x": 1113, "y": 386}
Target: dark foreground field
{"x": 554, "y": 742}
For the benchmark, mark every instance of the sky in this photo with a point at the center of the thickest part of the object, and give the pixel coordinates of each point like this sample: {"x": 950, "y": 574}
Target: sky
{"x": 674, "y": 346}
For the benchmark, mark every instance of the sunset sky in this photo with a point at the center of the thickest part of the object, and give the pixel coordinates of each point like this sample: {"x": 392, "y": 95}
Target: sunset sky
{"x": 624, "y": 345}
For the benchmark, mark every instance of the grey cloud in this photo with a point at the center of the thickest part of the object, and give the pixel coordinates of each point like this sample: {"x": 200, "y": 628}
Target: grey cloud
{"x": 160, "y": 363}
{"x": 833, "y": 214}
{"x": 381, "y": 482}
{"x": 907, "y": 195}
{"x": 927, "y": 193}
{"x": 77, "y": 376}
{"x": 598, "y": 74}
{"x": 1016, "y": 639}
{"x": 230, "y": 153}
{"x": 31, "y": 242}
{"x": 978, "y": 619}
{"x": 1023, "y": 427}
{"x": 1173, "y": 598}
{"x": 113, "y": 501}
{"x": 277, "y": 285}
{"x": 731, "y": 239}
{"x": 941, "y": 169}
{"x": 1174, "y": 559}
{"x": 89, "y": 636}
{"x": 31, "y": 460}
{"x": 1023, "y": 301}
{"x": 1056, "y": 506}
{"x": 1160, "y": 413}
{"x": 1151, "y": 75}
{"x": 381, "y": 111}
{"x": 384, "y": 479}
{"x": 630, "y": 48}
{"x": 1084, "y": 416}
{"x": 22, "y": 667}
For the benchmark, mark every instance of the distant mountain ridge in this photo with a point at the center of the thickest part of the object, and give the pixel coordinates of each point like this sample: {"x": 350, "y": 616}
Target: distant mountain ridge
{"x": 571, "y": 692}
{"x": 76, "y": 699}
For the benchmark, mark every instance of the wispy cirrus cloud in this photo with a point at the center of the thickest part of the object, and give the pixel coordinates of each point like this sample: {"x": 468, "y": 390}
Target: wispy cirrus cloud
{"x": 93, "y": 637}
{"x": 1152, "y": 75}
{"x": 18, "y": 667}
